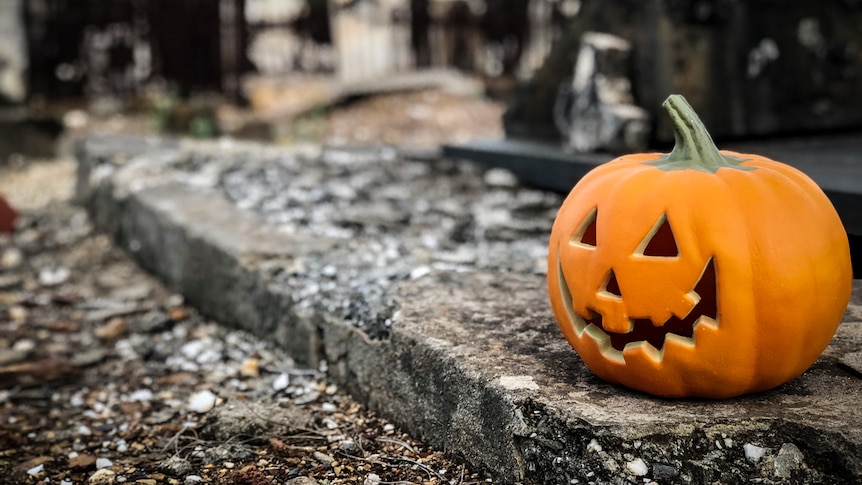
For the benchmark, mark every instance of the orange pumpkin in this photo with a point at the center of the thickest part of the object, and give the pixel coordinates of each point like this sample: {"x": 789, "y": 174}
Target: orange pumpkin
{"x": 700, "y": 272}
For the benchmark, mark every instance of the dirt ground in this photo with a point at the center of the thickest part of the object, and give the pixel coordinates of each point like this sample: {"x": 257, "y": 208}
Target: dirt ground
{"x": 106, "y": 377}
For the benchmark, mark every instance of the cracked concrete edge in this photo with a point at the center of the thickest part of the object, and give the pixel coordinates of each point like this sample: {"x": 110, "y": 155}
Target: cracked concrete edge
{"x": 423, "y": 388}
{"x": 406, "y": 378}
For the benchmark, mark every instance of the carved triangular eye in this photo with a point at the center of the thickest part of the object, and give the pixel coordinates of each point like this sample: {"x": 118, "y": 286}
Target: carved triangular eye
{"x": 585, "y": 236}
{"x": 610, "y": 288}
{"x": 660, "y": 241}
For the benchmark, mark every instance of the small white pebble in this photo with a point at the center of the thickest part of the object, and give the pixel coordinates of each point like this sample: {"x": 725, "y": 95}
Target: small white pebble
{"x": 328, "y": 407}
{"x": 637, "y": 467}
{"x": 753, "y": 453}
{"x": 202, "y": 402}
{"x": 24, "y": 345}
{"x": 141, "y": 395}
{"x": 103, "y": 463}
{"x": 53, "y": 276}
{"x": 229, "y": 464}
{"x": 193, "y": 479}
{"x": 66, "y": 482}
{"x": 372, "y": 479}
{"x": 389, "y": 427}
{"x": 36, "y": 470}
{"x": 11, "y": 258}
{"x": 500, "y": 177}
{"x": 281, "y": 382}
{"x": 419, "y": 272}
{"x": 122, "y": 446}
{"x": 594, "y": 446}
{"x": 84, "y": 431}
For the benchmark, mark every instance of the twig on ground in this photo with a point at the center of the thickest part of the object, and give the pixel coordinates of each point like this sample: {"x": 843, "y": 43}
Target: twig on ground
{"x": 402, "y": 443}
{"x": 432, "y": 473}
{"x": 175, "y": 438}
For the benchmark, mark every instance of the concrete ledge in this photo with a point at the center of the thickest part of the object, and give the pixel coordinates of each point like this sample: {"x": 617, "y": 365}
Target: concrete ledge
{"x": 421, "y": 284}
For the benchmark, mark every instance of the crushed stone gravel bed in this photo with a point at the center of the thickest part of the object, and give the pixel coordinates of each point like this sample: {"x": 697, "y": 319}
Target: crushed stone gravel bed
{"x": 106, "y": 377}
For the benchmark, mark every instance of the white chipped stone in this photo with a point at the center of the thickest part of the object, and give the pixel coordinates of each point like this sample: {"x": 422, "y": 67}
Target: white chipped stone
{"x": 518, "y": 382}
{"x": 54, "y": 276}
{"x": 103, "y": 463}
{"x": 141, "y": 395}
{"x": 281, "y": 382}
{"x": 637, "y": 467}
{"x": 753, "y": 453}
{"x": 36, "y": 470}
{"x": 202, "y": 402}
{"x": 328, "y": 407}
{"x": 593, "y": 446}
{"x": 372, "y": 479}
{"x": 419, "y": 272}
{"x": 122, "y": 446}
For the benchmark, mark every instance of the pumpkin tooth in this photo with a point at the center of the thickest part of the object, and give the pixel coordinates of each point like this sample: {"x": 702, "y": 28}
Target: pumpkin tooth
{"x": 646, "y": 347}
{"x": 603, "y": 341}
{"x": 693, "y": 297}
{"x": 705, "y": 320}
{"x": 678, "y": 339}
{"x": 577, "y": 322}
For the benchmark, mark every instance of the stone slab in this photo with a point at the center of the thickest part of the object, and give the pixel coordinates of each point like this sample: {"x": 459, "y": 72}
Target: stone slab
{"x": 421, "y": 284}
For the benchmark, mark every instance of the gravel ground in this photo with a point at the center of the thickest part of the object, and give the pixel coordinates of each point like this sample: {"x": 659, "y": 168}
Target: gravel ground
{"x": 107, "y": 377}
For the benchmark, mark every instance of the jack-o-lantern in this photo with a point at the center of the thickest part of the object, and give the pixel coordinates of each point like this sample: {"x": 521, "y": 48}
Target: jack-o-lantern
{"x": 700, "y": 272}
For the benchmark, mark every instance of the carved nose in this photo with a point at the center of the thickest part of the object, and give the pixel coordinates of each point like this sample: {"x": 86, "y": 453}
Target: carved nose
{"x": 611, "y": 306}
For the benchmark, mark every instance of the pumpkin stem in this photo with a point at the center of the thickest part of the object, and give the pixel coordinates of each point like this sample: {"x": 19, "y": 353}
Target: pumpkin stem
{"x": 694, "y": 148}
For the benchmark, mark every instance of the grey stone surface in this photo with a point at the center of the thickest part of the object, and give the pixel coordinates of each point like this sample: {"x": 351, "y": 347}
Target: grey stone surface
{"x": 423, "y": 287}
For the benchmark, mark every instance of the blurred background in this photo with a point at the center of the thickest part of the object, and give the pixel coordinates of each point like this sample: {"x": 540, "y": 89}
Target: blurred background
{"x": 579, "y": 75}
{"x": 275, "y": 69}
{"x": 265, "y": 69}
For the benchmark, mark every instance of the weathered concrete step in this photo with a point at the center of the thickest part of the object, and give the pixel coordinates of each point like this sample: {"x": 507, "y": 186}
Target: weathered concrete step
{"x": 422, "y": 286}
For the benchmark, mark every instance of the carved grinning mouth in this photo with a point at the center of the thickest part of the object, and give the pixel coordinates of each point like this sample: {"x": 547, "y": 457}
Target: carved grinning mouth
{"x": 644, "y": 332}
